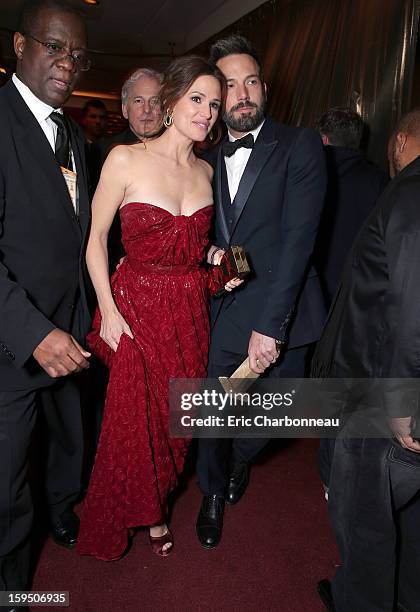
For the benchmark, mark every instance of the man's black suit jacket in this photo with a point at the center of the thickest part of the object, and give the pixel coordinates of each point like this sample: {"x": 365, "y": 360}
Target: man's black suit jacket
{"x": 373, "y": 328}
{"x": 275, "y": 217}
{"x": 42, "y": 271}
{"x": 354, "y": 185}
{"x": 126, "y": 137}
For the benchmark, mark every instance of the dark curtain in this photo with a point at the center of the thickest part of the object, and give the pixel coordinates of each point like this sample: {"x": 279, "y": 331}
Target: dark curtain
{"x": 323, "y": 53}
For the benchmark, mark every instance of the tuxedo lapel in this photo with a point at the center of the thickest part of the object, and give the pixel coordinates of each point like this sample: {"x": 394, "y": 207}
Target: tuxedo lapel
{"x": 78, "y": 153}
{"x": 220, "y": 212}
{"x": 35, "y": 147}
{"x": 263, "y": 148}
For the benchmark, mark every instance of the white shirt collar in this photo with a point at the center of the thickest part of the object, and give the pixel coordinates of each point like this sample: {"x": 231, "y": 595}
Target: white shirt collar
{"x": 41, "y": 110}
{"x": 254, "y": 133}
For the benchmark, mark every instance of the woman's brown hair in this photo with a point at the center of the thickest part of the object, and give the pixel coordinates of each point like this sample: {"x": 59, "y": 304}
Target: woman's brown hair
{"x": 178, "y": 78}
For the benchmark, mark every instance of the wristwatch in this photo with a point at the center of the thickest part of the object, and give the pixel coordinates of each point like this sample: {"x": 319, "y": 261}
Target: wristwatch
{"x": 279, "y": 345}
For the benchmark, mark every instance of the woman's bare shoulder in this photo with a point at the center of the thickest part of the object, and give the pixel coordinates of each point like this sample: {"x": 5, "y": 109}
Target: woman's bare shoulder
{"x": 117, "y": 156}
{"x": 205, "y": 168}
{"x": 121, "y": 154}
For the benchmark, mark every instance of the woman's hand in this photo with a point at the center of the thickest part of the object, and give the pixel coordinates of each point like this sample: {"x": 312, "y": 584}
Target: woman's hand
{"x": 232, "y": 284}
{"x": 214, "y": 255}
{"x": 218, "y": 256}
{"x": 113, "y": 326}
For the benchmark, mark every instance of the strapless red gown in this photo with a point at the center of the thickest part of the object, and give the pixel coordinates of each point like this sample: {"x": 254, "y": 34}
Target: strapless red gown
{"x": 161, "y": 291}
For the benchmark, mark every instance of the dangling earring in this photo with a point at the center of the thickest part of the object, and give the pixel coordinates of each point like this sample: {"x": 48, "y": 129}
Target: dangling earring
{"x": 211, "y": 135}
{"x": 168, "y": 120}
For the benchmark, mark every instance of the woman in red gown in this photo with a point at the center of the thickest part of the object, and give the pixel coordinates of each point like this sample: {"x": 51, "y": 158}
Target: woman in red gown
{"x": 152, "y": 322}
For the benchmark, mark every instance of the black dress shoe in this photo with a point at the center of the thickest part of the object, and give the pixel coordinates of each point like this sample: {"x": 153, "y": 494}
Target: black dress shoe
{"x": 238, "y": 482}
{"x": 64, "y": 532}
{"x": 325, "y": 593}
{"x": 210, "y": 520}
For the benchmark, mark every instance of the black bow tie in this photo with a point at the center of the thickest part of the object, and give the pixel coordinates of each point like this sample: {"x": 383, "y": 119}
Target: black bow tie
{"x": 229, "y": 148}
{"x": 62, "y": 141}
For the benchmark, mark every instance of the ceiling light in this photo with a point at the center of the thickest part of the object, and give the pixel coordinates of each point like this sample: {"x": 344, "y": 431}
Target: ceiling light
{"x": 96, "y": 94}
{"x": 91, "y": 1}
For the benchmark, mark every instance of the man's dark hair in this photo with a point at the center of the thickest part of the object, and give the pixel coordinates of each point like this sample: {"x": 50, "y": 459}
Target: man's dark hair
{"x": 31, "y": 10}
{"x": 233, "y": 45}
{"x": 343, "y": 127}
{"x": 94, "y": 103}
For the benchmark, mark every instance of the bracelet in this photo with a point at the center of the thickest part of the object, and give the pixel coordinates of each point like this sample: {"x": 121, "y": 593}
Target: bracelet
{"x": 279, "y": 345}
{"x": 213, "y": 254}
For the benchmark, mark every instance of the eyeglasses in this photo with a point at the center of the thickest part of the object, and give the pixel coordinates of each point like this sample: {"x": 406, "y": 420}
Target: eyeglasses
{"x": 79, "y": 58}
{"x": 153, "y": 102}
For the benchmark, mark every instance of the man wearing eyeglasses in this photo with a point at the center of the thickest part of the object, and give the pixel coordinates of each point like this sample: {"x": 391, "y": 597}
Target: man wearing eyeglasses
{"x": 44, "y": 216}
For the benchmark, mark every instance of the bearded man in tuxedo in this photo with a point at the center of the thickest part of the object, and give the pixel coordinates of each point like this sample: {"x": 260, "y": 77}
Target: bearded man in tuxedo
{"x": 269, "y": 186}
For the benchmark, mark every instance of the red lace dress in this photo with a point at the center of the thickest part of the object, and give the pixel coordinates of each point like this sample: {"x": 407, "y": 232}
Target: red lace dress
{"x": 161, "y": 291}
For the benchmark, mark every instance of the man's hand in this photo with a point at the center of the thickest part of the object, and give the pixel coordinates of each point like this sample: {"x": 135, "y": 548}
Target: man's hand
{"x": 59, "y": 354}
{"x": 402, "y": 428}
{"x": 262, "y": 352}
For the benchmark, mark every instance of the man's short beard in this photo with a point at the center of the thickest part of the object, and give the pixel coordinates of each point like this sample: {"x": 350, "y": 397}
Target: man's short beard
{"x": 245, "y": 122}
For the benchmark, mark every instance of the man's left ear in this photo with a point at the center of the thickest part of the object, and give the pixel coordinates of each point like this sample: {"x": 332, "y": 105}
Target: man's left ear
{"x": 265, "y": 89}
{"x": 19, "y": 44}
{"x": 401, "y": 141}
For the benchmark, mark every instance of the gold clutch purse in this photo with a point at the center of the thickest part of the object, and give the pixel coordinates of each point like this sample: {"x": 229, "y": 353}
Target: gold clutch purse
{"x": 234, "y": 264}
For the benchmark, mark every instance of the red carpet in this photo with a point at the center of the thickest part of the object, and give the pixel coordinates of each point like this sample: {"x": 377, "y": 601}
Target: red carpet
{"x": 277, "y": 544}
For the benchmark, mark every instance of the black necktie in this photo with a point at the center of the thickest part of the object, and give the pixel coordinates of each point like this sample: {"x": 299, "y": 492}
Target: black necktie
{"x": 229, "y": 148}
{"x": 62, "y": 141}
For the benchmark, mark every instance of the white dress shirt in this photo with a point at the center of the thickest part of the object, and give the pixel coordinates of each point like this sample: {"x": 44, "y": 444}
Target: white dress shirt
{"x": 235, "y": 164}
{"x": 39, "y": 109}
{"x": 41, "y": 112}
